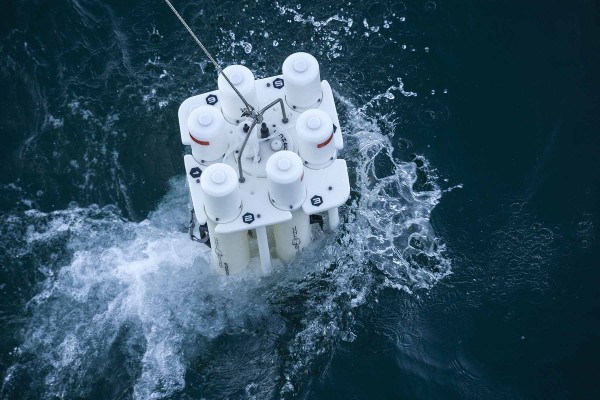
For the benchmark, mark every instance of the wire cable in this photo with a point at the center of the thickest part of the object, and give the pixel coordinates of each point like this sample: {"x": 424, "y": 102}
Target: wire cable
{"x": 257, "y": 117}
{"x": 249, "y": 108}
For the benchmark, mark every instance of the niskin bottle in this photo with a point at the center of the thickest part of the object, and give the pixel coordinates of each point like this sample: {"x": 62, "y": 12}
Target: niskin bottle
{"x": 243, "y": 80}
{"x": 314, "y": 131}
{"x": 223, "y": 203}
{"x": 285, "y": 174}
{"x": 206, "y": 127}
{"x": 302, "y": 81}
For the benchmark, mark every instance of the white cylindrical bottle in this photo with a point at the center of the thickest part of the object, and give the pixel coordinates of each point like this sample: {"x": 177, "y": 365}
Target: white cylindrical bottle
{"x": 285, "y": 174}
{"x": 292, "y": 236}
{"x": 302, "y": 80}
{"x": 314, "y": 131}
{"x": 222, "y": 203}
{"x": 221, "y": 193}
{"x": 287, "y": 191}
{"x": 230, "y": 251}
{"x": 206, "y": 127}
{"x": 243, "y": 80}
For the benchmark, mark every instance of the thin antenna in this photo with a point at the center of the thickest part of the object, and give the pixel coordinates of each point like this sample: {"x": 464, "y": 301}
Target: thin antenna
{"x": 249, "y": 108}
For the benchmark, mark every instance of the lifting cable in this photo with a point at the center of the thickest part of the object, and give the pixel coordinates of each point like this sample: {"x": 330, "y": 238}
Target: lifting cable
{"x": 257, "y": 117}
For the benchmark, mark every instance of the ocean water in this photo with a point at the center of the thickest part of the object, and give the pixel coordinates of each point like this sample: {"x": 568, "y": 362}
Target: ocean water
{"x": 466, "y": 265}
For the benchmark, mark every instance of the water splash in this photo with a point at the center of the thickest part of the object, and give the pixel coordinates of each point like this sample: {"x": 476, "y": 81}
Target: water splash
{"x": 145, "y": 289}
{"x": 130, "y": 309}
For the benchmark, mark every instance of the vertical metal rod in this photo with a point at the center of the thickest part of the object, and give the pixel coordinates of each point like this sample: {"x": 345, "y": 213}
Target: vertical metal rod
{"x": 240, "y": 172}
{"x": 284, "y": 118}
{"x": 334, "y": 218}
{"x": 263, "y": 250}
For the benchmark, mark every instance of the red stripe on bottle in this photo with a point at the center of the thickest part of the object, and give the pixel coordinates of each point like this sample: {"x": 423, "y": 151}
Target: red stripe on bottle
{"x": 200, "y": 142}
{"x": 325, "y": 143}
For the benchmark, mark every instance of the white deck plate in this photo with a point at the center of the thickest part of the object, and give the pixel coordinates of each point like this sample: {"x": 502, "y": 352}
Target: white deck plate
{"x": 265, "y": 94}
{"x": 255, "y": 203}
{"x": 195, "y": 190}
{"x": 328, "y": 103}
{"x": 255, "y": 198}
{"x": 318, "y": 181}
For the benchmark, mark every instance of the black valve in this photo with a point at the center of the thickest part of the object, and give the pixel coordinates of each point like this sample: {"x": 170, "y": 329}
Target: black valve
{"x": 264, "y": 131}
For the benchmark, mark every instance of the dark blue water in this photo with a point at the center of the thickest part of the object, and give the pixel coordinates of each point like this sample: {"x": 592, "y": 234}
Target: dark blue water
{"x": 467, "y": 262}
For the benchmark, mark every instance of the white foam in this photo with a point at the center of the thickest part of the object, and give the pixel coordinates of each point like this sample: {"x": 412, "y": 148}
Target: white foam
{"x": 146, "y": 288}
{"x": 150, "y": 276}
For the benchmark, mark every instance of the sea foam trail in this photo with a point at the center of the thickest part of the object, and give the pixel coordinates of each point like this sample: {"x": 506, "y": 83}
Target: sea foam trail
{"x": 142, "y": 287}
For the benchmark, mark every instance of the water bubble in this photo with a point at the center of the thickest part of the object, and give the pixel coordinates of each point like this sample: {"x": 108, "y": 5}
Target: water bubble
{"x": 246, "y": 46}
{"x": 377, "y": 10}
{"x": 398, "y": 8}
{"x": 433, "y": 113}
{"x": 155, "y": 36}
{"x": 411, "y": 70}
{"x": 430, "y": 6}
